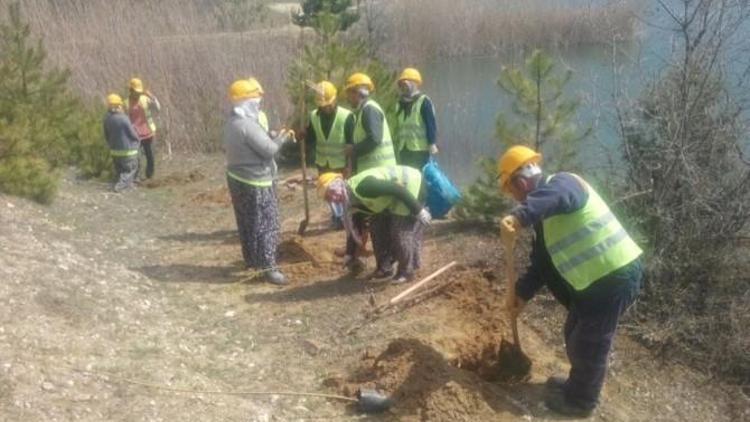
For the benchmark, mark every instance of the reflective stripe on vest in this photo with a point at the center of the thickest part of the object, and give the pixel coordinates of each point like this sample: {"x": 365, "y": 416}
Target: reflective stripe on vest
{"x": 405, "y": 176}
{"x": 257, "y": 183}
{"x": 588, "y": 244}
{"x": 411, "y": 133}
{"x": 123, "y": 152}
{"x": 263, "y": 120}
{"x": 329, "y": 151}
{"x": 383, "y": 154}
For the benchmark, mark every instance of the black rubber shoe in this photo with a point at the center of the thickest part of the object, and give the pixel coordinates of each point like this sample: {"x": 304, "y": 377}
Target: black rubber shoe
{"x": 557, "y": 403}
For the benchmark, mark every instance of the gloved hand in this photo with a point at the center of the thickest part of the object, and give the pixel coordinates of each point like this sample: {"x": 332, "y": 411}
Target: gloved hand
{"x": 424, "y": 217}
{"x": 434, "y": 149}
{"x": 509, "y": 226}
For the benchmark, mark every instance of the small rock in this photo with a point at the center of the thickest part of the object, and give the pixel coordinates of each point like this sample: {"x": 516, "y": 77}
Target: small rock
{"x": 48, "y": 386}
{"x": 230, "y": 314}
{"x": 9, "y": 205}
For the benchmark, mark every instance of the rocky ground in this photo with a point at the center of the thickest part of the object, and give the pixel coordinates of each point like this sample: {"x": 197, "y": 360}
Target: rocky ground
{"x": 133, "y": 307}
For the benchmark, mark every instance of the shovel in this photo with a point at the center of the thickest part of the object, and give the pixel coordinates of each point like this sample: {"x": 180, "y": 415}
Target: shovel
{"x": 514, "y": 365}
{"x": 303, "y": 158}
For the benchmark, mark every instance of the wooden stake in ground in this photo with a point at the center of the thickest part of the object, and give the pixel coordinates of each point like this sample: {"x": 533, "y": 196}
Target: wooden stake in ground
{"x": 421, "y": 283}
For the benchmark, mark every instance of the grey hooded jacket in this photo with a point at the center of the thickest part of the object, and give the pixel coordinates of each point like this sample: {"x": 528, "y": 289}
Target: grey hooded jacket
{"x": 249, "y": 150}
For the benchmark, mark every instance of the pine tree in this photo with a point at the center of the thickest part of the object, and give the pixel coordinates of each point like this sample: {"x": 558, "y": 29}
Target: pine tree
{"x": 42, "y": 124}
{"x": 333, "y": 57}
{"x": 541, "y": 117}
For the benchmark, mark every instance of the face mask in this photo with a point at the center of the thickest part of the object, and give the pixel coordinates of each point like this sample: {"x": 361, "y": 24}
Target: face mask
{"x": 248, "y": 107}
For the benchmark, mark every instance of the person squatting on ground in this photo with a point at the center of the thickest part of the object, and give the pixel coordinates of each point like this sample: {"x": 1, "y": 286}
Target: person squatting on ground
{"x": 142, "y": 105}
{"x": 122, "y": 141}
{"x": 415, "y": 130}
{"x": 331, "y": 128}
{"x": 392, "y": 196}
{"x": 251, "y": 170}
{"x": 587, "y": 260}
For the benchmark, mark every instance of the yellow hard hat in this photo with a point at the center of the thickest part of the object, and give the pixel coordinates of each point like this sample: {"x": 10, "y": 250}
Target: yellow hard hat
{"x": 326, "y": 178}
{"x": 256, "y": 86}
{"x": 411, "y": 74}
{"x": 325, "y": 94}
{"x": 136, "y": 85}
{"x": 357, "y": 79}
{"x": 514, "y": 158}
{"x": 243, "y": 89}
{"x": 114, "y": 100}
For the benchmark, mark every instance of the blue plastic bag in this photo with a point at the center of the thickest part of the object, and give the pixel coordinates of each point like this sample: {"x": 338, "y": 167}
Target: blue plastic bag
{"x": 442, "y": 194}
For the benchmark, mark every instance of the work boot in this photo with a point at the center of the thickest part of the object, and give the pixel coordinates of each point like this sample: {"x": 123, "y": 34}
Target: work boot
{"x": 354, "y": 265}
{"x": 276, "y": 277}
{"x": 557, "y": 403}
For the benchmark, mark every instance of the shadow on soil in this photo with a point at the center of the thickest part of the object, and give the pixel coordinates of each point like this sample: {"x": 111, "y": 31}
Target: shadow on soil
{"x": 223, "y": 236}
{"x": 182, "y": 273}
{"x": 341, "y": 286}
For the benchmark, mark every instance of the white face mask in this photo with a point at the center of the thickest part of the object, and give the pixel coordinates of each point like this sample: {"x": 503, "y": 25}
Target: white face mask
{"x": 247, "y": 108}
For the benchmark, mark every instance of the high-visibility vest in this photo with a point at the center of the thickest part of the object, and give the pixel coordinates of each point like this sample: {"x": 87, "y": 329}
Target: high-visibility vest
{"x": 405, "y": 176}
{"x": 411, "y": 133}
{"x": 143, "y": 102}
{"x": 589, "y": 243}
{"x": 329, "y": 151}
{"x": 263, "y": 120}
{"x": 383, "y": 154}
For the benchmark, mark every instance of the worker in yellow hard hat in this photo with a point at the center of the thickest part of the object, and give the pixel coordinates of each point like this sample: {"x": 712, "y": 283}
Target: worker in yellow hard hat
{"x": 251, "y": 171}
{"x": 331, "y": 128}
{"x": 394, "y": 196}
{"x": 415, "y": 131}
{"x": 123, "y": 143}
{"x": 373, "y": 146}
{"x": 584, "y": 256}
{"x": 142, "y": 107}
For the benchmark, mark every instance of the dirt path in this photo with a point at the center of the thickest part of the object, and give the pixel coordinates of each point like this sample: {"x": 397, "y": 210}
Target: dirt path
{"x": 100, "y": 290}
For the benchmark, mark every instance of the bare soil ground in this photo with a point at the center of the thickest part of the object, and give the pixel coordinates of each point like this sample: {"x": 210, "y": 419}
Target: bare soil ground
{"x": 108, "y": 302}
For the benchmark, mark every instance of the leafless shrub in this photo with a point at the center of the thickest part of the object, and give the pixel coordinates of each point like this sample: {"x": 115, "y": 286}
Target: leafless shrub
{"x": 682, "y": 140}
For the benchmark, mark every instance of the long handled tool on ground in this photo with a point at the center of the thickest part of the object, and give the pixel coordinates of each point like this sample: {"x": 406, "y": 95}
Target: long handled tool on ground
{"x": 514, "y": 365}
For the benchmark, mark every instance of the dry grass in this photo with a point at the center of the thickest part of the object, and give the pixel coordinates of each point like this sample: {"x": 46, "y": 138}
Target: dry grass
{"x": 490, "y": 27}
{"x": 180, "y": 51}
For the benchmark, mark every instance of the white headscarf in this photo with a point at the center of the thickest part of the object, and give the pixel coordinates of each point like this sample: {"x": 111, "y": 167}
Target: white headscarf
{"x": 249, "y": 107}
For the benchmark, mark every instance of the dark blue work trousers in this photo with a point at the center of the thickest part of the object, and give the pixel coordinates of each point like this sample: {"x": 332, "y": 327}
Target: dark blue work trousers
{"x": 593, "y": 315}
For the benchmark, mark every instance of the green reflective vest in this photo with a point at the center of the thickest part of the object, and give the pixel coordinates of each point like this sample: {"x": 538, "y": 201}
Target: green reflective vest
{"x": 411, "y": 133}
{"x": 588, "y": 244}
{"x": 263, "y": 120}
{"x": 383, "y": 154}
{"x": 405, "y": 176}
{"x": 329, "y": 151}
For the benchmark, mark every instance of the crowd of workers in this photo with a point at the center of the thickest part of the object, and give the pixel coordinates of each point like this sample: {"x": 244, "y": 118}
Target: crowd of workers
{"x": 371, "y": 177}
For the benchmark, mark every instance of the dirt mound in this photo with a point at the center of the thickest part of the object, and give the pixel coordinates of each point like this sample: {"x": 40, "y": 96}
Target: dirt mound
{"x": 444, "y": 376}
{"x": 219, "y": 196}
{"x": 174, "y": 179}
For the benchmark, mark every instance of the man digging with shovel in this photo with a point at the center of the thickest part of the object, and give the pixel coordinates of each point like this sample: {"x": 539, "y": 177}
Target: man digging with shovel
{"x": 586, "y": 259}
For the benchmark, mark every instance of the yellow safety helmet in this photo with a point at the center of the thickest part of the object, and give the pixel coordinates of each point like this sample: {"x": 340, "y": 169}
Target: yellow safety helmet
{"x": 114, "y": 100}
{"x": 411, "y": 74}
{"x": 136, "y": 85}
{"x": 326, "y": 178}
{"x": 513, "y": 159}
{"x": 357, "y": 79}
{"x": 256, "y": 86}
{"x": 243, "y": 89}
{"x": 325, "y": 94}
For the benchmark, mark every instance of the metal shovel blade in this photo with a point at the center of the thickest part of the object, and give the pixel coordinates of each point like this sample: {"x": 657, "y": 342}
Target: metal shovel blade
{"x": 372, "y": 401}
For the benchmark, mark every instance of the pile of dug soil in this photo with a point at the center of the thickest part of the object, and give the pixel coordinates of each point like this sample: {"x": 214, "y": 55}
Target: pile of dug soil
{"x": 446, "y": 375}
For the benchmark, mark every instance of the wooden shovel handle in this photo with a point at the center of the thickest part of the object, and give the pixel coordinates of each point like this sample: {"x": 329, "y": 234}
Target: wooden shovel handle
{"x": 510, "y": 275}
{"x": 421, "y": 283}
